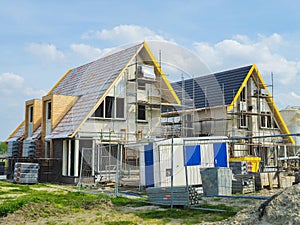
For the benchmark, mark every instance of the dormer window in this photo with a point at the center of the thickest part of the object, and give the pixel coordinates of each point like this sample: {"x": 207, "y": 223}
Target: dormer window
{"x": 30, "y": 121}
{"x": 48, "y": 117}
{"x": 30, "y": 114}
{"x": 49, "y": 110}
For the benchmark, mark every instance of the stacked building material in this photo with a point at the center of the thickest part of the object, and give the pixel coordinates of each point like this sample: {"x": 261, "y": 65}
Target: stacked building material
{"x": 29, "y": 148}
{"x": 175, "y": 196}
{"x": 216, "y": 181}
{"x": 266, "y": 179}
{"x": 26, "y": 173}
{"x": 243, "y": 183}
{"x": 13, "y": 148}
{"x": 239, "y": 167}
{"x": 193, "y": 195}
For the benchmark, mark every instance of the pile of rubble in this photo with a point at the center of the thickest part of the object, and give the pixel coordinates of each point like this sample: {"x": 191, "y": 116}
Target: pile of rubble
{"x": 282, "y": 208}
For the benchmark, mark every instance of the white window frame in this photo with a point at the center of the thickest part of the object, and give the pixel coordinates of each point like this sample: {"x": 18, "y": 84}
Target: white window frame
{"x": 243, "y": 117}
{"x": 266, "y": 118}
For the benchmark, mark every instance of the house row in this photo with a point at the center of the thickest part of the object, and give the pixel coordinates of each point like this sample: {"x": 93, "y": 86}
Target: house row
{"x": 98, "y": 114}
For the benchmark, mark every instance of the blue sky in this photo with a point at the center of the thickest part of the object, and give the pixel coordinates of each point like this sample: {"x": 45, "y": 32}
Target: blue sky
{"x": 41, "y": 40}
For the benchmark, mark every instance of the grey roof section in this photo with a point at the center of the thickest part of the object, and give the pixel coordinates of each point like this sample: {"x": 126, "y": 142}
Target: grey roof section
{"x": 211, "y": 90}
{"x": 36, "y": 134}
{"x": 19, "y": 134}
{"x": 89, "y": 82}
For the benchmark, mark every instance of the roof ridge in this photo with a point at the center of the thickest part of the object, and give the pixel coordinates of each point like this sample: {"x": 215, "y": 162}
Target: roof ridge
{"x": 224, "y": 71}
{"x": 113, "y": 52}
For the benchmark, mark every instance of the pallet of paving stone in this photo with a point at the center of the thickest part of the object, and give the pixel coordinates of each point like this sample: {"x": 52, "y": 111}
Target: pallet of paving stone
{"x": 173, "y": 196}
{"x": 243, "y": 183}
{"x": 26, "y": 173}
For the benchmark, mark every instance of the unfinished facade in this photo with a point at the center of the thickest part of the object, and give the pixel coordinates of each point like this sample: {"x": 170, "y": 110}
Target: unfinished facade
{"x": 87, "y": 117}
{"x": 237, "y": 104}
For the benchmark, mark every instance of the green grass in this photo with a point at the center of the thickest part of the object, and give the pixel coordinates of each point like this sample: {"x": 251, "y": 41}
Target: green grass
{"x": 122, "y": 222}
{"x": 62, "y": 201}
{"x": 189, "y": 216}
{"x": 3, "y": 147}
{"x": 120, "y": 201}
{"x": 45, "y": 203}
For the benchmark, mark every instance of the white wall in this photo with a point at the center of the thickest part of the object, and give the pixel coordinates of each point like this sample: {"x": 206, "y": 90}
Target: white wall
{"x": 163, "y": 161}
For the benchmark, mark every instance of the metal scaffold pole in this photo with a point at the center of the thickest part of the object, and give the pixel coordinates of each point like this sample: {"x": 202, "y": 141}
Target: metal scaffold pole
{"x": 117, "y": 172}
{"x": 172, "y": 168}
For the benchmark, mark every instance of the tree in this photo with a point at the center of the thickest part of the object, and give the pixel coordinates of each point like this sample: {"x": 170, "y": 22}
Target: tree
{"x": 3, "y": 147}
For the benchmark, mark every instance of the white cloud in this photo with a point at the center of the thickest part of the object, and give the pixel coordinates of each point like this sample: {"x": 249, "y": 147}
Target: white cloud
{"x": 89, "y": 52}
{"x": 124, "y": 33}
{"x": 28, "y": 91}
{"x": 13, "y": 94}
{"x": 241, "y": 50}
{"x": 45, "y": 51}
{"x": 176, "y": 60}
{"x": 285, "y": 99}
{"x": 9, "y": 83}
{"x": 12, "y": 85}
{"x": 86, "y": 51}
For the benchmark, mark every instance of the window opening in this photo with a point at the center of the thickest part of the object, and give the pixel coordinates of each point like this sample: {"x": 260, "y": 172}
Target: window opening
{"x": 141, "y": 112}
{"x": 49, "y": 110}
{"x": 31, "y": 114}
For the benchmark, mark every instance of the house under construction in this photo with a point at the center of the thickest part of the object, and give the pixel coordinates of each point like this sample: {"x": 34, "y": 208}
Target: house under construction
{"x": 94, "y": 120}
{"x": 237, "y": 104}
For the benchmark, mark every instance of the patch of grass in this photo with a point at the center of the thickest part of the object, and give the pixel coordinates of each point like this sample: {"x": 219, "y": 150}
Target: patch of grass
{"x": 51, "y": 223}
{"x": 168, "y": 213}
{"x": 45, "y": 203}
{"x": 166, "y": 220}
{"x": 123, "y": 222}
{"x": 120, "y": 201}
{"x": 246, "y": 200}
{"x": 70, "y": 200}
{"x": 190, "y": 216}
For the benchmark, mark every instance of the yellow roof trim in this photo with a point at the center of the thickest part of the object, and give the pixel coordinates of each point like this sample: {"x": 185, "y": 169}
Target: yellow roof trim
{"x": 270, "y": 100}
{"x": 165, "y": 79}
{"x": 271, "y": 103}
{"x": 60, "y": 80}
{"x": 230, "y": 107}
{"x": 16, "y": 130}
